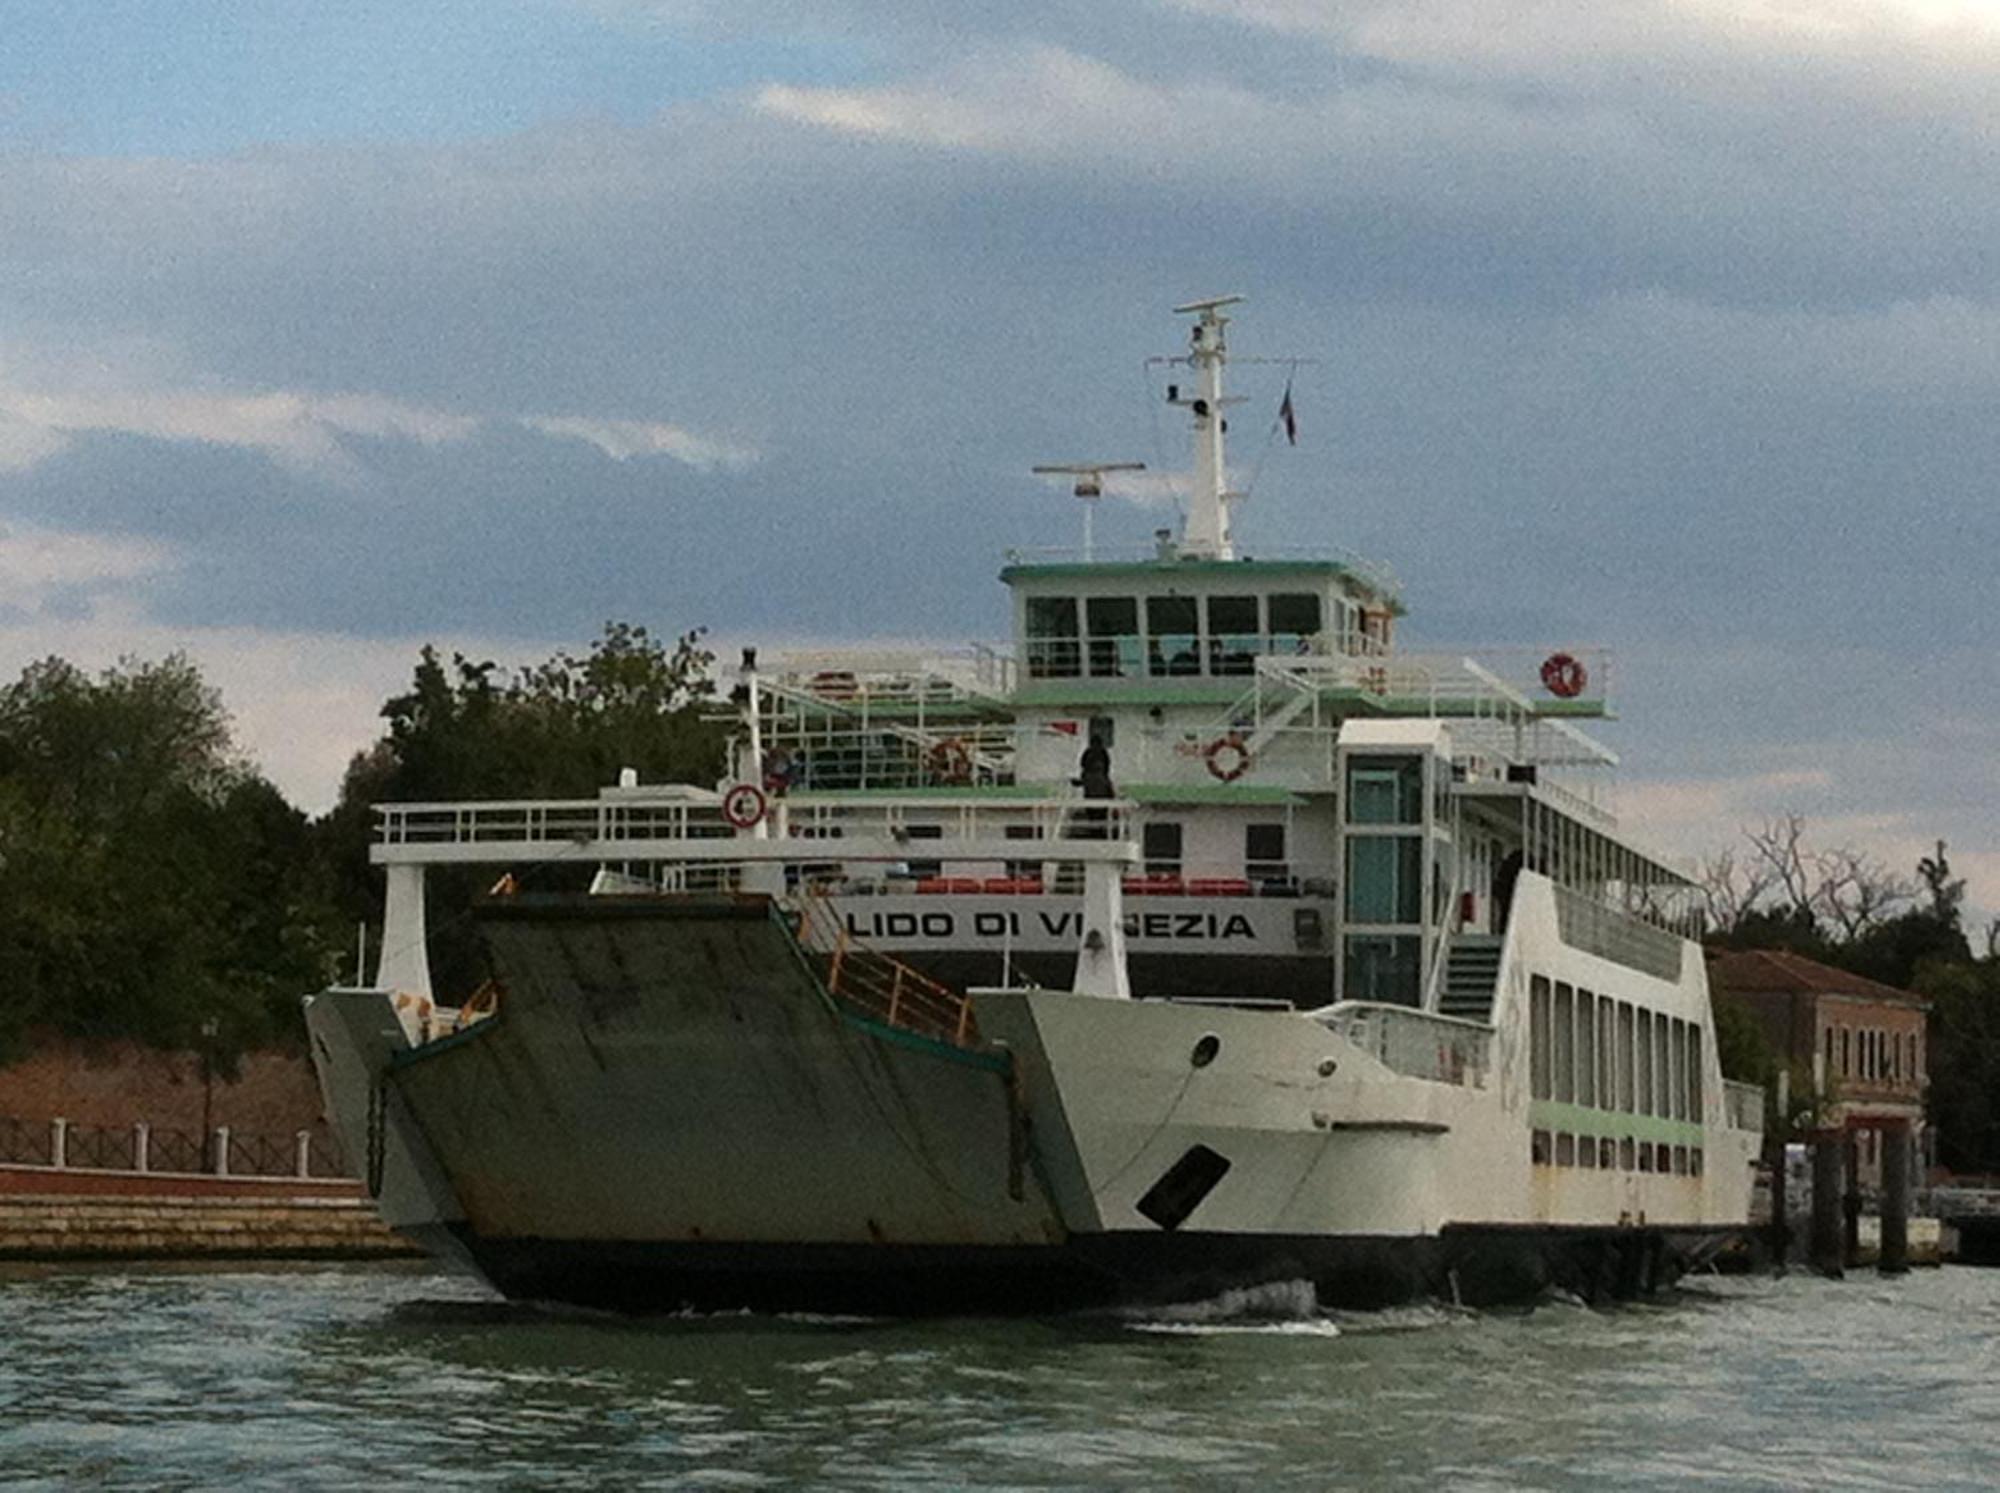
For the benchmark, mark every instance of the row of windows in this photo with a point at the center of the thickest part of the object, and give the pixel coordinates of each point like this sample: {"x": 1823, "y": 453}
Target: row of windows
{"x": 1608, "y": 1054}
{"x": 1599, "y": 1153}
{"x": 1102, "y": 635}
{"x": 1872, "y": 1054}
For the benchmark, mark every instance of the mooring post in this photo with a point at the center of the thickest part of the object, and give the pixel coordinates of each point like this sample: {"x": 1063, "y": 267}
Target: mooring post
{"x": 1828, "y": 1173}
{"x": 1894, "y": 1258}
{"x": 1850, "y": 1203}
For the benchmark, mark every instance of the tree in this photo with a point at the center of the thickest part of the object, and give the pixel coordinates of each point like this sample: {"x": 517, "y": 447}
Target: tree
{"x": 563, "y": 728}
{"x": 150, "y": 881}
{"x": 1964, "y": 1062}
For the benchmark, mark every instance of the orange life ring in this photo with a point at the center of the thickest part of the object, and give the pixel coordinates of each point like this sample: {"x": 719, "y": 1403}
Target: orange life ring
{"x": 1564, "y": 676}
{"x": 1239, "y": 757}
{"x": 951, "y": 759}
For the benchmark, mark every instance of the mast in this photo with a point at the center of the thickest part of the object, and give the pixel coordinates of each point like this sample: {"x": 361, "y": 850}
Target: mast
{"x": 1207, "y": 532}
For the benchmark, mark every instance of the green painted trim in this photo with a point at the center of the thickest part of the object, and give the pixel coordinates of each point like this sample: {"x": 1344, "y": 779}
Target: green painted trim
{"x": 991, "y": 1062}
{"x": 1604, "y": 1124}
{"x": 1068, "y": 694}
{"x": 1073, "y": 569}
{"x": 1033, "y": 792}
{"x": 1209, "y": 793}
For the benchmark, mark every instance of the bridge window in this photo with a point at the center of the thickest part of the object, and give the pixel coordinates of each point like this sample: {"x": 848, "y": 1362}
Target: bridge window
{"x": 1294, "y": 619}
{"x": 1113, "y": 625}
{"x": 1173, "y": 629}
{"x": 1234, "y": 636}
{"x": 1052, "y": 637}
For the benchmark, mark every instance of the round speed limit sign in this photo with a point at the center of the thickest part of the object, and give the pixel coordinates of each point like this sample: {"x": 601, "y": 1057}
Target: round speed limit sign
{"x": 743, "y": 805}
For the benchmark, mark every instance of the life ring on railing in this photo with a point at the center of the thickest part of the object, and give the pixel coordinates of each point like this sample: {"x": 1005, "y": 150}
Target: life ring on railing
{"x": 1564, "y": 676}
{"x": 1235, "y": 750}
{"x": 951, "y": 760}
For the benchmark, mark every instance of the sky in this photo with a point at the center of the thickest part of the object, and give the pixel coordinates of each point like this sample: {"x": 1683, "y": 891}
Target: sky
{"x": 1670, "y": 326}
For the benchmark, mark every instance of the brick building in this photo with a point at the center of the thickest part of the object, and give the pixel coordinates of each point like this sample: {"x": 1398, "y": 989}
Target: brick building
{"x": 1862, "y": 1041}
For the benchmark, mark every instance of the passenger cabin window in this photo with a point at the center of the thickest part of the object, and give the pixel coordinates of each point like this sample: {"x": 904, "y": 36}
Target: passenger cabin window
{"x": 1264, "y": 852}
{"x": 1234, "y": 637}
{"x": 1385, "y": 790}
{"x": 1052, "y": 637}
{"x": 925, "y": 832}
{"x": 1295, "y": 621}
{"x": 1381, "y": 967}
{"x": 1539, "y": 1084}
{"x": 1112, "y": 623}
{"x": 1173, "y": 635}
{"x": 1160, "y": 844}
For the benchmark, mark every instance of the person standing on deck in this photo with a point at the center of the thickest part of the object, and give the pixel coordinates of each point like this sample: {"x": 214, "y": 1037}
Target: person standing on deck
{"x": 1094, "y": 777}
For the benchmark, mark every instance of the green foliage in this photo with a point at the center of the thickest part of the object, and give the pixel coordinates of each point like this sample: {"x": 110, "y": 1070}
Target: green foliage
{"x": 1895, "y": 951}
{"x": 1964, "y": 1047}
{"x": 150, "y": 882}
{"x": 560, "y": 729}
{"x": 1742, "y": 1046}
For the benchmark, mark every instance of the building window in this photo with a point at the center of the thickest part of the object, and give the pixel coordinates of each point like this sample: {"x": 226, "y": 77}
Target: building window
{"x": 1264, "y": 852}
{"x": 1160, "y": 844}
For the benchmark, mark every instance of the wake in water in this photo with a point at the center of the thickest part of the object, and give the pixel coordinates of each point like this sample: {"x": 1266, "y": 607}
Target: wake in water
{"x": 1287, "y": 1306}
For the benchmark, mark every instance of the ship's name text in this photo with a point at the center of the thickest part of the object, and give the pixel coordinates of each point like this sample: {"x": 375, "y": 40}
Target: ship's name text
{"x": 1068, "y": 925}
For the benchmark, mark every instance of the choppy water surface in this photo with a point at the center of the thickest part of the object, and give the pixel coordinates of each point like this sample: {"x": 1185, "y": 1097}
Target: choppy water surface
{"x": 323, "y": 1378}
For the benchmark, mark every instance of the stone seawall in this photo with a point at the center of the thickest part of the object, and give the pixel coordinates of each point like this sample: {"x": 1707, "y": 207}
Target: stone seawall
{"x": 72, "y": 1226}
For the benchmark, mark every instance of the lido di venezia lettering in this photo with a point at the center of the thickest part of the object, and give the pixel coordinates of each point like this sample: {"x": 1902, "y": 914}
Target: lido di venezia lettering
{"x": 985, "y": 924}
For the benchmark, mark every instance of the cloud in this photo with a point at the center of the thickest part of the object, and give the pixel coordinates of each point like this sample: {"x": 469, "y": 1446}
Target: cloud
{"x": 622, "y": 440}
{"x": 38, "y": 566}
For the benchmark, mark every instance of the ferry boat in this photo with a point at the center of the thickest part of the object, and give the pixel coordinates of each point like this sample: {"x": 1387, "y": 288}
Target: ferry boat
{"x": 1202, "y": 939}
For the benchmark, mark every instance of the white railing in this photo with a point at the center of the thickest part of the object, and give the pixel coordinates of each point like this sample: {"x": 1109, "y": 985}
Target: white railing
{"x": 1416, "y": 1044}
{"x": 1743, "y": 1105}
{"x": 544, "y": 820}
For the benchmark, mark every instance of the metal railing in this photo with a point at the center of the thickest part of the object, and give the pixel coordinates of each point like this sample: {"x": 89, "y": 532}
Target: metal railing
{"x": 1595, "y": 927}
{"x": 65, "y": 1145}
{"x": 877, "y": 986}
{"x": 1743, "y": 1105}
{"x": 1416, "y": 1044}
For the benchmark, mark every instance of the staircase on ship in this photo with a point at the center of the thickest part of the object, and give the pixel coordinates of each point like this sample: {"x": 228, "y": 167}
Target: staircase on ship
{"x": 1471, "y": 971}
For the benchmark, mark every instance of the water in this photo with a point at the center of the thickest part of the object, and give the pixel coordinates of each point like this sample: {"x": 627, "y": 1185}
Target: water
{"x": 307, "y": 1378}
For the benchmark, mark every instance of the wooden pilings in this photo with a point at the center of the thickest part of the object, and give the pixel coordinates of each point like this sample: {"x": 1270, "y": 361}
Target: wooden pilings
{"x": 1829, "y": 1173}
{"x": 1894, "y": 1258}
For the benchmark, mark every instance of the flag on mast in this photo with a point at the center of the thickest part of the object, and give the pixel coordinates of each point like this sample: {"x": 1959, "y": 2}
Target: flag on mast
{"x": 1287, "y": 418}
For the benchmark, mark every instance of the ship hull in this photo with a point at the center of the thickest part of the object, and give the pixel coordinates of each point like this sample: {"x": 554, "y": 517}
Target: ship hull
{"x": 1471, "y": 1266}
{"x": 673, "y": 1111}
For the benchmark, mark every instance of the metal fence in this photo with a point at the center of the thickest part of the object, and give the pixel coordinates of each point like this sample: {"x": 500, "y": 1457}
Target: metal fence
{"x": 66, "y": 1145}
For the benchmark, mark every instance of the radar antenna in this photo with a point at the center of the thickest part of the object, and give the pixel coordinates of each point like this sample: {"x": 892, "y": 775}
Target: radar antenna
{"x": 1089, "y": 487}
